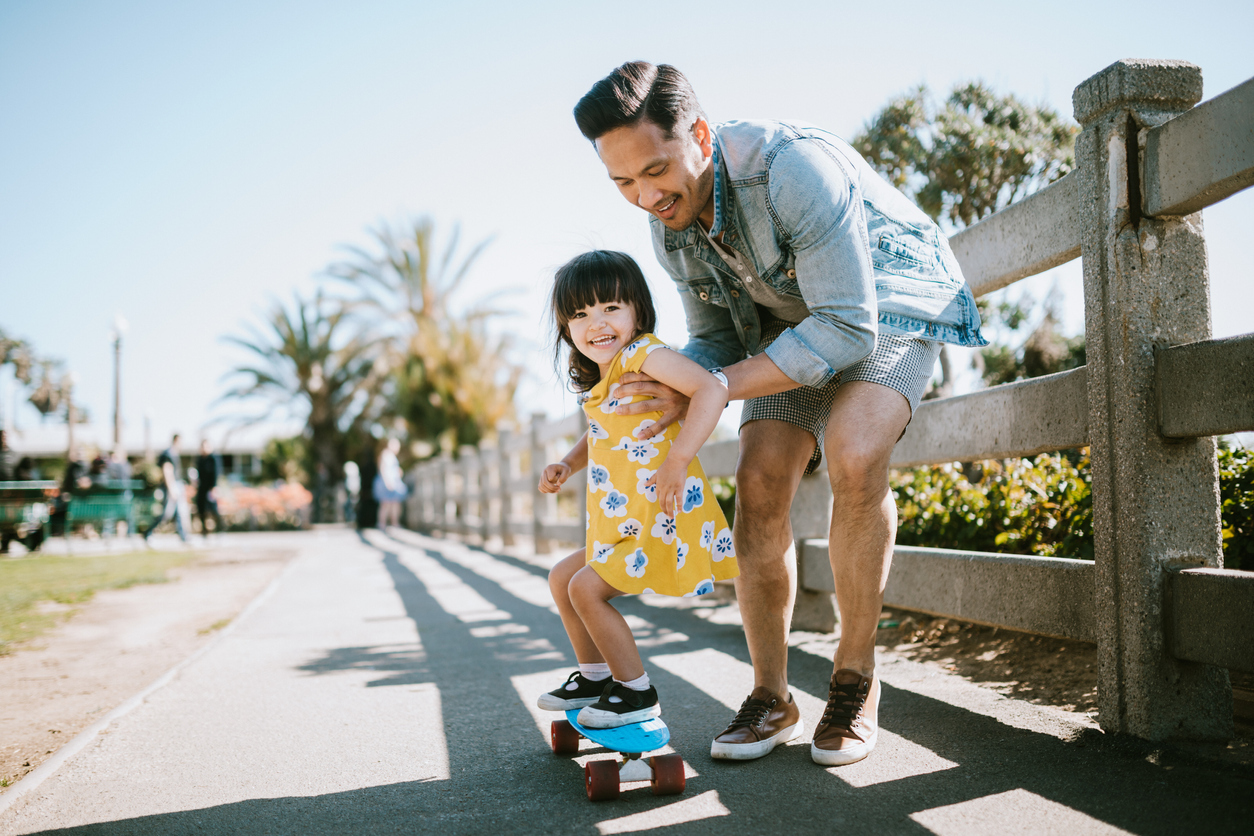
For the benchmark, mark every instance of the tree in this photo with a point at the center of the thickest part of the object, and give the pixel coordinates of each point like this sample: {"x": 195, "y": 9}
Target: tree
{"x": 963, "y": 159}
{"x": 451, "y": 380}
{"x": 45, "y": 378}
{"x": 306, "y": 365}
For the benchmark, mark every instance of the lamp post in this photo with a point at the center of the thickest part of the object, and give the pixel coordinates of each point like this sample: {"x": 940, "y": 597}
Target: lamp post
{"x": 119, "y": 328}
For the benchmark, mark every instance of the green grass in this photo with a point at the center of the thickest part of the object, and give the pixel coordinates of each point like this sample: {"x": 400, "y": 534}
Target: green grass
{"x": 26, "y": 582}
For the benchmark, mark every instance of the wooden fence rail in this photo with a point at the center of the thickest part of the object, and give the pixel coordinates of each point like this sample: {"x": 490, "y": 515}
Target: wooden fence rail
{"x": 1166, "y": 616}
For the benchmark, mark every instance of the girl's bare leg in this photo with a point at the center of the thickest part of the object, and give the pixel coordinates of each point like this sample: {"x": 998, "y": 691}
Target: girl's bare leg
{"x": 591, "y": 597}
{"x": 559, "y": 584}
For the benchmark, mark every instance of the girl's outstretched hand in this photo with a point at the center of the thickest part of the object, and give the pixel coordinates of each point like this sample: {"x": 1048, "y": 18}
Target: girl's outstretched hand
{"x": 555, "y": 475}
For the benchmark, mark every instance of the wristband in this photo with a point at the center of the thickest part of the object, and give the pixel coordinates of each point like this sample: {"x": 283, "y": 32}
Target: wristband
{"x": 717, "y": 371}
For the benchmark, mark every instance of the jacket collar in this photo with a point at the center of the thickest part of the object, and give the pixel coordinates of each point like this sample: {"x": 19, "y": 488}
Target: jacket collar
{"x": 724, "y": 213}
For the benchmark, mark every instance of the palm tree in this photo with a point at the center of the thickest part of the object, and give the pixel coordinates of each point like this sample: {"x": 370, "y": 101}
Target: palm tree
{"x": 304, "y": 363}
{"x": 452, "y": 380}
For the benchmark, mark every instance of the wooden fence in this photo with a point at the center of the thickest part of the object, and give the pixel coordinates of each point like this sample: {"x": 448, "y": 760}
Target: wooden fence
{"x": 1166, "y": 617}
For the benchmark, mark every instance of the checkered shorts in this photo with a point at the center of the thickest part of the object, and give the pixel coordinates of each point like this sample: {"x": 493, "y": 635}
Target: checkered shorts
{"x": 901, "y": 363}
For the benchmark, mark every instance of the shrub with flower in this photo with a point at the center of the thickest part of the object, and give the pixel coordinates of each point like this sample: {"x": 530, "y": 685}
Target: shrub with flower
{"x": 283, "y": 506}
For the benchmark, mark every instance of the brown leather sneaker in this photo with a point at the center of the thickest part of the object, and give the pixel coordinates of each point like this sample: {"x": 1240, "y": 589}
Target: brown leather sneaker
{"x": 850, "y": 723}
{"x": 763, "y": 721}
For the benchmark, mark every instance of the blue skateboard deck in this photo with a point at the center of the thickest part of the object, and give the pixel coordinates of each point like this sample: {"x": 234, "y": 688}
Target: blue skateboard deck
{"x": 633, "y": 739}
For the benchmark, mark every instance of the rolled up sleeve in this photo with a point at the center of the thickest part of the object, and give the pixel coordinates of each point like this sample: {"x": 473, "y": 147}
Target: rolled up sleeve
{"x": 819, "y": 210}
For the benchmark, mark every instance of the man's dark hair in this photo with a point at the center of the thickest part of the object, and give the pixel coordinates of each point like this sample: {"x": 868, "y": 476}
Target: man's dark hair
{"x": 634, "y": 92}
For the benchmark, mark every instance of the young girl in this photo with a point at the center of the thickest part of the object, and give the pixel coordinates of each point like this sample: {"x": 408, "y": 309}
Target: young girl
{"x": 653, "y": 522}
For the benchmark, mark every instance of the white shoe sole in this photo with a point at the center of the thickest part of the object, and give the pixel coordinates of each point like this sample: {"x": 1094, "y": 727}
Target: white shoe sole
{"x": 750, "y": 751}
{"x": 548, "y": 702}
{"x": 829, "y": 757}
{"x": 594, "y": 718}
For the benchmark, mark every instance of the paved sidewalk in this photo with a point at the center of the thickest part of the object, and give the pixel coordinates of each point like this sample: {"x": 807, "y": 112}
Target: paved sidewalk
{"x": 386, "y": 684}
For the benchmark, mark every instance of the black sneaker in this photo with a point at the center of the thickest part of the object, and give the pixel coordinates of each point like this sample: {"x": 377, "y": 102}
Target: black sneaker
{"x": 576, "y": 693}
{"x": 620, "y": 706}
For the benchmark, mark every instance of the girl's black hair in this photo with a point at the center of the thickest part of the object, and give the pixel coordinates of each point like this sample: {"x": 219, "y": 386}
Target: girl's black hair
{"x": 593, "y": 278}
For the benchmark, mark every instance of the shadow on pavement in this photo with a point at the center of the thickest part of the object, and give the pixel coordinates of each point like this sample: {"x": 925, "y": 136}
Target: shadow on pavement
{"x": 503, "y": 778}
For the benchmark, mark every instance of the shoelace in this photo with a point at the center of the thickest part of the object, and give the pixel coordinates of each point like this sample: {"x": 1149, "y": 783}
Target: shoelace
{"x": 752, "y": 712}
{"x": 843, "y": 704}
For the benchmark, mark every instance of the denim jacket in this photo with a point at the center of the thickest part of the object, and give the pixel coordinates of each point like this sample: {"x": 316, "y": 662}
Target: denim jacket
{"x": 820, "y": 225}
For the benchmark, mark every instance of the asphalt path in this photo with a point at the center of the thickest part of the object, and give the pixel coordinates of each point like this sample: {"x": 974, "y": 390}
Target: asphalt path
{"x": 387, "y": 684}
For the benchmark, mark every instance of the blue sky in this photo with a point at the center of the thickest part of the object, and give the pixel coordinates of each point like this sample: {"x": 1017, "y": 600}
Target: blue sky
{"x": 185, "y": 164}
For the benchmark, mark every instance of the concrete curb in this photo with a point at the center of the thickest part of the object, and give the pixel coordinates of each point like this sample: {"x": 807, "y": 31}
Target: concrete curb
{"x": 32, "y": 780}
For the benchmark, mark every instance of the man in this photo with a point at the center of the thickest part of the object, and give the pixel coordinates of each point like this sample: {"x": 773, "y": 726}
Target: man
{"x": 823, "y": 294}
{"x": 175, "y": 493}
{"x": 207, "y": 489}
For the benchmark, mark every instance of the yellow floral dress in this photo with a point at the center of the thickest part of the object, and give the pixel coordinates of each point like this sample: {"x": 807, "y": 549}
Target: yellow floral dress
{"x": 632, "y": 543}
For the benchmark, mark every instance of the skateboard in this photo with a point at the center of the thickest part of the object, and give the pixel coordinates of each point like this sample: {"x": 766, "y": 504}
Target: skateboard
{"x": 602, "y": 777}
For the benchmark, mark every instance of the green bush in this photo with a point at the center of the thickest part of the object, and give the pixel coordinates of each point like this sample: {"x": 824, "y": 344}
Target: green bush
{"x": 1236, "y": 499}
{"x": 1041, "y": 506}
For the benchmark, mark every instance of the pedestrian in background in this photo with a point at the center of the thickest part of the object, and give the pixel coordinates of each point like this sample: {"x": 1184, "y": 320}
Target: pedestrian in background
{"x": 389, "y": 487}
{"x": 207, "y": 489}
{"x": 175, "y": 493}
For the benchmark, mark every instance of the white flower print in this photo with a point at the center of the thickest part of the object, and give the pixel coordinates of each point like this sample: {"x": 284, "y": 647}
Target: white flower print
{"x": 707, "y": 535}
{"x": 664, "y": 528}
{"x": 681, "y": 553}
{"x": 653, "y": 347}
{"x": 612, "y": 400}
{"x": 644, "y": 425}
{"x": 595, "y": 430}
{"x": 723, "y": 546}
{"x": 636, "y": 561}
{"x": 614, "y": 504}
{"x": 643, "y": 475}
{"x": 630, "y": 529}
{"x": 630, "y": 351}
{"x": 704, "y": 587}
{"x": 647, "y": 591}
{"x": 601, "y": 551}
{"x": 637, "y": 451}
{"x": 694, "y": 493}
{"x": 599, "y": 478}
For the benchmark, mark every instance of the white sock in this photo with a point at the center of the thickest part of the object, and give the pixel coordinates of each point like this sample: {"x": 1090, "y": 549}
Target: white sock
{"x": 595, "y": 673}
{"x": 640, "y": 684}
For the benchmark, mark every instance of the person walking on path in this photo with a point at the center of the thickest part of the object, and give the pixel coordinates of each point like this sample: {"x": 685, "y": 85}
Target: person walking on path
{"x": 656, "y": 526}
{"x": 175, "y": 493}
{"x": 824, "y": 294}
{"x": 389, "y": 485}
{"x": 207, "y": 489}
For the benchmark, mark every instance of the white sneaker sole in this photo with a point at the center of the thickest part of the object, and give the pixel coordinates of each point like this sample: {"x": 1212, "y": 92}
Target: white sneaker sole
{"x": 829, "y": 757}
{"x": 548, "y": 702}
{"x": 750, "y": 751}
{"x": 594, "y": 718}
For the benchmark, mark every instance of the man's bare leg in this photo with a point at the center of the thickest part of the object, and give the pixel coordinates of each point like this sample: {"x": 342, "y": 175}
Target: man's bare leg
{"x": 773, "y": 457}
{"x": 866, "y": 421}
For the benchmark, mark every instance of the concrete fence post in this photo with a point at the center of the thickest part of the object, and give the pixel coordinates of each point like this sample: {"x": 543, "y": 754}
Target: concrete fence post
{"x": 543, "y": 505}
{"x": 414, "y": 511}
{"x": 444, "y": 480}
{"x": 483, "y": 491}
{"x": 1155, "y": 501}
{"x": 466, "y": 456}
{"x": 506, "y": 474}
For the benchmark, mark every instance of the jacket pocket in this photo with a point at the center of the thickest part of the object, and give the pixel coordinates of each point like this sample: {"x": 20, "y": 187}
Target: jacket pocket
{"x": 708, "y": 291}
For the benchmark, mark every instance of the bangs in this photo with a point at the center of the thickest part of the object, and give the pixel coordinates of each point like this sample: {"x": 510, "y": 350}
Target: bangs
{"x": 600, "y": 277}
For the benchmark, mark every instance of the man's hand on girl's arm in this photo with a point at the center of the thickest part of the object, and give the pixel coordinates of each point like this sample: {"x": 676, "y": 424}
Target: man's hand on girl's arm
{"x": 755, "y": 377}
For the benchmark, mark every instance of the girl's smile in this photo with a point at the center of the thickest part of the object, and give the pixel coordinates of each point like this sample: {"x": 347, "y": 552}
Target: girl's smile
{"x": 602, "y": 330}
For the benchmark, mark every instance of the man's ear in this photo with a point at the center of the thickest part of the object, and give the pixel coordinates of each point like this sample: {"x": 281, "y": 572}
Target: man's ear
{"x": 704, "y": 137}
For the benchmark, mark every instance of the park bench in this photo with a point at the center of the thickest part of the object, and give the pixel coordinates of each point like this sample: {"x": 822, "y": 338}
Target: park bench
{"x": 105, "y": 505}
{"x": 24, "y": 512}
